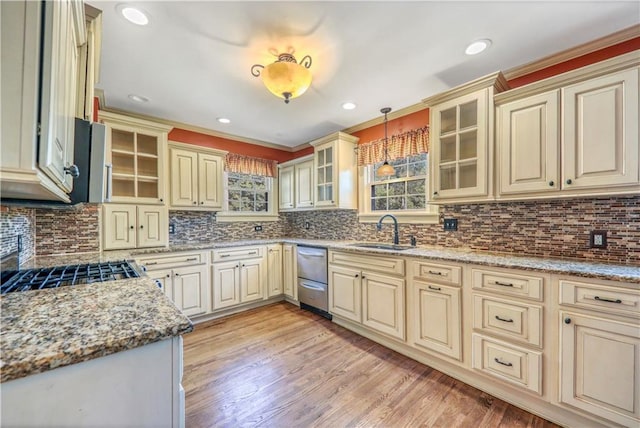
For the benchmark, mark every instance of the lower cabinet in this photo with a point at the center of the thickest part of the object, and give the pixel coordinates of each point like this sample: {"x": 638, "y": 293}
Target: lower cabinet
{"x": 289, "y": 271}
{"x": 242, "y": 279}
{"x": 275, "y": 286}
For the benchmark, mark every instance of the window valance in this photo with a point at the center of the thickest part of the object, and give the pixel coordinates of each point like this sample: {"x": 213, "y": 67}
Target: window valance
{"x": 249, "y": 165}
{"x": 402, "y": 145}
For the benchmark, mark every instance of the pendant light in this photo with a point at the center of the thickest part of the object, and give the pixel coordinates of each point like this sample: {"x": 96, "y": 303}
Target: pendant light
{"x": 385, "y": 169}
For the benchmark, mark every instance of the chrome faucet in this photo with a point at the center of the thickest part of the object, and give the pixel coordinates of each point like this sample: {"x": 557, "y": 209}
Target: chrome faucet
{"x": 396, "y": 236}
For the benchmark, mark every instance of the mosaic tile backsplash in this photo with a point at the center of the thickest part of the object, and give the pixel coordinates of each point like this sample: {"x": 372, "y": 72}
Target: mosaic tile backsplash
{"x": 555, "y": 228}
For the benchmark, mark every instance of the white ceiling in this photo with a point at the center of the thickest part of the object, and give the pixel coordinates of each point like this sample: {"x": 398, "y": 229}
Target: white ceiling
{"x": 193, "y": 60}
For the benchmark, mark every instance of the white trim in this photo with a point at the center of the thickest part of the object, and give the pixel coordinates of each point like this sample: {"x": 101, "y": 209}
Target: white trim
{"x": 227, "y": 216}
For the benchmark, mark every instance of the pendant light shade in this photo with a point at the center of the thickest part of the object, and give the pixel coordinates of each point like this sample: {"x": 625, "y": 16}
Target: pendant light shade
{"x": 285, "y": 78}
{"x": 385, "y": 170}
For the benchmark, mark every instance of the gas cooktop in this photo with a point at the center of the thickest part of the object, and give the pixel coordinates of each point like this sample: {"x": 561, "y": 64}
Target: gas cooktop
{"x": 60, "y": 276}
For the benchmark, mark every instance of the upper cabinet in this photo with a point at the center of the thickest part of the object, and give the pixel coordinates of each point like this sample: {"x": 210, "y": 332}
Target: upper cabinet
{"x": 575, "y": 134}
{"x": 39, "y": 82}
{"x": 136, "y": 151}
{"x": 462, "y": 141}
{"x": 295, "y": 180}
{"x": 196, "y": 177}
{"x": 335, "y": 171}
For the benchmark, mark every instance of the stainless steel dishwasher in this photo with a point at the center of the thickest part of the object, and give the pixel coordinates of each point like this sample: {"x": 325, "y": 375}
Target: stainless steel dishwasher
{"x": 313, "y": 292}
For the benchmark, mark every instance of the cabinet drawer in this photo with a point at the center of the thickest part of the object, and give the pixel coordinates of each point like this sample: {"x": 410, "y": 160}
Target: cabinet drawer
{"x": 528, "y": 287}
{"x": 171, "y": 260}
{"x": 445, "y": 274}
{"x": 236, "y": 253}
{"x": 611, "y": 299}
{"x": 369, "y": 263}
{"x": 518, "y": 366}
{"x": 509, "y": 319}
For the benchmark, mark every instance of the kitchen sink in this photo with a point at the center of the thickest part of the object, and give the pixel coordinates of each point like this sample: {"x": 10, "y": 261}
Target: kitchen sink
{"x": 381, "y": 246}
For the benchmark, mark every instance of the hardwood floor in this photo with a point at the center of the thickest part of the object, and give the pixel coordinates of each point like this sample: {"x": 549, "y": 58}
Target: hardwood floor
{"x": 279, "y": 366}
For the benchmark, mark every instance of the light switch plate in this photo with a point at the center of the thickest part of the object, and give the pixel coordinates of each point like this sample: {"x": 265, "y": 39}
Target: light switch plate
{"x": 598, "y": 239}
{"x": 257, "y": 228}
{"x": 450, "y": 224}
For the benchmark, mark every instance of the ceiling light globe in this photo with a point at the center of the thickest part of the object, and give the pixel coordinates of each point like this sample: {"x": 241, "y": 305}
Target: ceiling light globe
{"x": 282, "y": 78}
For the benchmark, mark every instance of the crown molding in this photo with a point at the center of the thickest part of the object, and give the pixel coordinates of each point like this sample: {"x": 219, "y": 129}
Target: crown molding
{"x": 495, "y": 80}
{"x": 571, "y": 53}
{"x": 391, "y": 116}
{"x": 99, "y": 94}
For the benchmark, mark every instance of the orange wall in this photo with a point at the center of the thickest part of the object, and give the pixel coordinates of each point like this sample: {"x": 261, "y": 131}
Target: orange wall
{"x": 396, "y": 126}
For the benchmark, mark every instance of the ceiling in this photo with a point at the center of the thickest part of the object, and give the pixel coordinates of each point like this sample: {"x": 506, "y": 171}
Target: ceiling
{"x": 193, "y": 60}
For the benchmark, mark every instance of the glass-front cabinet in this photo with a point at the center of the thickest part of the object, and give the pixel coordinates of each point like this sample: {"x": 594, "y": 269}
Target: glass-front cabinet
{"x": 461, "y": 135}
{"x": 136, "y": 153}
{"x": 324, "y": 175}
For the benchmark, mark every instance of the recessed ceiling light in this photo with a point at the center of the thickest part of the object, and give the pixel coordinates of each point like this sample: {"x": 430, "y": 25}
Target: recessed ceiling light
{"x": 348, "y": 106}
{"x": 138, "y": 98}
{"x": 133, "y": 15}
{"x": 477, "y": 46}
{"x": 223, "y": 120}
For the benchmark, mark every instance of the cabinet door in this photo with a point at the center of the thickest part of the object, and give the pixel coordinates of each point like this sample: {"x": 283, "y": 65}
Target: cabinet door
{"x": 184, "y": 178}
{"x": 600, "y": 123}
{"x": 600, "y": 367}
{"x": 164, "y": 277}
{"x": 460, "y": 155}
{"x": 437, "y": 318}
{"x": 225, "y": 284}
{"x": 274, "y": 270}
{"x": 153, "y": 229}
{"x": 59, "y": 54}
{"x": 252, "y": 280}
{"x": 289, "y": 271}
{"x": 383, "y": 304}
{"x": 287, "y": 187}
{"x": 345, "y": 293}
{"x": 324, "y": 164}
{"x": 119, "y": 227}
{"x": 304, "y": 184}
{"x": 190, "y": 286}
{"x": 529, "y": 153}
{"x": 210, "y": 181}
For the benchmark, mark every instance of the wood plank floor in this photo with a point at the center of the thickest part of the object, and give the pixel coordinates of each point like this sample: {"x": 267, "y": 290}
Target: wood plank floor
{"x": 279, "y": 366}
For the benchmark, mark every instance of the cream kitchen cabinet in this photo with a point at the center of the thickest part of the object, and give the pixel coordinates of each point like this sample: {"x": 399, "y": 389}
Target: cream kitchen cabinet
{"x": 436, "y": 297}
{"x": 136, "y": 152}
{"x": 600, "y": 349}
{"x": 239, "y": 275}
{"x": 575, "y": 134}
{"x": 296, "y": 184}
{"x": 289, "y": 271}
{"x": 461, "y": 158}
{"x": 196, "y": 177}
{"x": 275, "y": 285}
{"x": 335, "y": 172}
{"x": 184, "y": 279}
{"x": 134, "y": 226}
{"x": 362, "y": 290}
{"x": 39, "y": 82}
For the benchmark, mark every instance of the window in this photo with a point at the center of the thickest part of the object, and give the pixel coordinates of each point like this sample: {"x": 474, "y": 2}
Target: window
{"x": 403, "y": 194}
{"x": 248, "y": 193}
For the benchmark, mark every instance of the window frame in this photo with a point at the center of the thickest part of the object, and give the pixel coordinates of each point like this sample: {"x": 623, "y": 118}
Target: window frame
{"x": 227, "y": 216}
{"x": 430, "y": 215}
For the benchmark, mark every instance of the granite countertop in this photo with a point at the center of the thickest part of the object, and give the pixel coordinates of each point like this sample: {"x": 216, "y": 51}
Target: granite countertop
{"x": 43, "y": 330}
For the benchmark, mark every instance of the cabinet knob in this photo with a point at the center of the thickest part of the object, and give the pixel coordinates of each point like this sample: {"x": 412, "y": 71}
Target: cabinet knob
{"x": 161, "y": 200}
{"x": 201, "y": 202}
{"x": 177, "y": 274}
{"x": 195, "y": 203}
{"x": 551, "y": 183}
{"x": 569, "y": 181}
{"x": 168, "y": 275}
{"x": 567, "y": 320}
{"x": 357, "y": 275}
{"x": 72, "y": 170}
{"x": 333, "y": 202}
{"x": 243, "y": 265}
{"x": 363, "y": 277}
{"x": 435, "y": 193}
{"x": 131, "y": 227}
{"x": 141, "y": 227}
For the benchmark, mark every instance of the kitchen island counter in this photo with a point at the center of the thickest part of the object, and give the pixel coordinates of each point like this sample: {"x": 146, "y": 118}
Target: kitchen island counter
{"x": 43, "y": 330}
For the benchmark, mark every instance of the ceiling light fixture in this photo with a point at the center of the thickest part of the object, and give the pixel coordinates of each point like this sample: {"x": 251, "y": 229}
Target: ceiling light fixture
{"x": 348, "y": 106}
{"x": 477, "y": 46}
{"x": 138, "y": 98}
{"x": 223, "y": 120}
{"x": 385, "y": 169}
{"x": 133, "y": 15}
{"x": 285, "y": 78}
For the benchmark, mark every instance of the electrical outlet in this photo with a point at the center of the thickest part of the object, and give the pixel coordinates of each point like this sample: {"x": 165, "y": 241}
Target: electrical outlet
{"x": 257, "y": 228}
{"x": 450, "y": 224}
{"x": 598, "y": 239}
{"x": 172, "y": 229}
{"x": 307, "y": 225}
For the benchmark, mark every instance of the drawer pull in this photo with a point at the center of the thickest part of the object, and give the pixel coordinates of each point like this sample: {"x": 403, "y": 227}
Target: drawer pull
{"x": 499, "y": 361}
{"x": 434, "y": 288}
{"x": 191, "y": 259}
{"x": 503, "y": 319}
{"x": 503, "y": 284}
{"x": 252, "y": 252}
{"x": 604, "y": 299}
{"x": 151, "y": 264}
{"x": 225, "y": 255}
{"x": 435, "y": 273}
